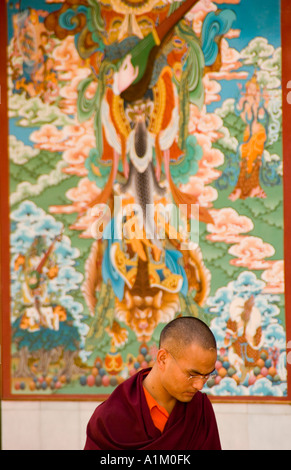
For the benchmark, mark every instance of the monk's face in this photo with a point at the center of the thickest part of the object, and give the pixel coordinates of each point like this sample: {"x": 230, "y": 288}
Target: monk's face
{"x": 187, "y": 373}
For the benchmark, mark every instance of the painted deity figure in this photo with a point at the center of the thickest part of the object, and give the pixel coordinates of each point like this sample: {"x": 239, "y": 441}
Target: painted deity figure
{"x": 36, "y": 76}
{"x": 244, "y": 334}
{"x": 148, "y": 63}
{"x": 253, "y": 113}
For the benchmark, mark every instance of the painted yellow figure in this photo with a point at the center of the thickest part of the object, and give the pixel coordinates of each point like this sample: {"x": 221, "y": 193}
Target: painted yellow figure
{"x": 252, "y": 148}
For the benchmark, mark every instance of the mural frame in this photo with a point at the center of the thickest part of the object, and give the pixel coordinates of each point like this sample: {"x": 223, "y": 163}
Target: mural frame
{"x": 5, "y": 328}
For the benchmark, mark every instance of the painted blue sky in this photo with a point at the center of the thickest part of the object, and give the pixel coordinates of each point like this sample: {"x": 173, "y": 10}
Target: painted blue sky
{"x": 253, "y": 16}
{"x": 257, "y": 18}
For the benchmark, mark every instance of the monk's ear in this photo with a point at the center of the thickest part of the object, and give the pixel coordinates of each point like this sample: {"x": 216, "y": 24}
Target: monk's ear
{"x": 161, "y": 358}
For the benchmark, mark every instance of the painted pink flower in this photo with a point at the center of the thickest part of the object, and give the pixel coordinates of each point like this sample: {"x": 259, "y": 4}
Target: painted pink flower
{"x": 84, "y": 224}
{"x": 228, "y": 226}
{"x": 79, "y": 153}
{"x": 197, "y": 14}
{"x": 86, "y": 191}
{"x": 251, "y": 253}
{"x": 201, "y": 122}
{"x": 66, "y": 55}
{"x": 211, "y": 159}
{"x": 233, "y": 33}
{"x": 212, "y": 89}
{"x": 274, "y": 278}
{"x": 229, "y": 55}
{"x": 77, "y": 169}
{"x": 205, "y": 194}
{"x": 49, "y": 137}
{"x": 81, "y": 197}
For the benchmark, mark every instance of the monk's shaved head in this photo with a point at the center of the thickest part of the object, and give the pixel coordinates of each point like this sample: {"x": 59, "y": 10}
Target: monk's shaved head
{"x": 183, "y": 331}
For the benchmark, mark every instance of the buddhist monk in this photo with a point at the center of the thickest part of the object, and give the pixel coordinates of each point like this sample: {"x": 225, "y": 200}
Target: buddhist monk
{"x": 163, "y": 408}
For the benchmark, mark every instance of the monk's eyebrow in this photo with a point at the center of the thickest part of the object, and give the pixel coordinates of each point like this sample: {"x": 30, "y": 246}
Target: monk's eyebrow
{"x": 195, "y": 372}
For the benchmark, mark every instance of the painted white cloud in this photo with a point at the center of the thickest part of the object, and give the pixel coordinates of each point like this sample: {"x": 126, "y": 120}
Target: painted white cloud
{"x": 20, "y": 153}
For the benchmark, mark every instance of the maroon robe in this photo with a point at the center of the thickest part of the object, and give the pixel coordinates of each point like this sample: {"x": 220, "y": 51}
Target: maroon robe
{"x": 123, "y": 422}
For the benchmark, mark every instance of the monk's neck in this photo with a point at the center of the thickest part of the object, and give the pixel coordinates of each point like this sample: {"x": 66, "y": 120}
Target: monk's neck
{"x": 153, "y": 385}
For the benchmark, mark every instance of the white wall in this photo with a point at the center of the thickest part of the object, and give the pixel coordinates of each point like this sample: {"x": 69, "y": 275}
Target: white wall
{"x": 42, "y": 425}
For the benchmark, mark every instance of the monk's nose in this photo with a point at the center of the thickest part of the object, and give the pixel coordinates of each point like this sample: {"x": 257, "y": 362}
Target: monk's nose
{"x": 199, "y": 384}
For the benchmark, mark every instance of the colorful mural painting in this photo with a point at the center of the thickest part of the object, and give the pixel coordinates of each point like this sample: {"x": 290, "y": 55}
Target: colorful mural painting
{"x": 146, "y": 166}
